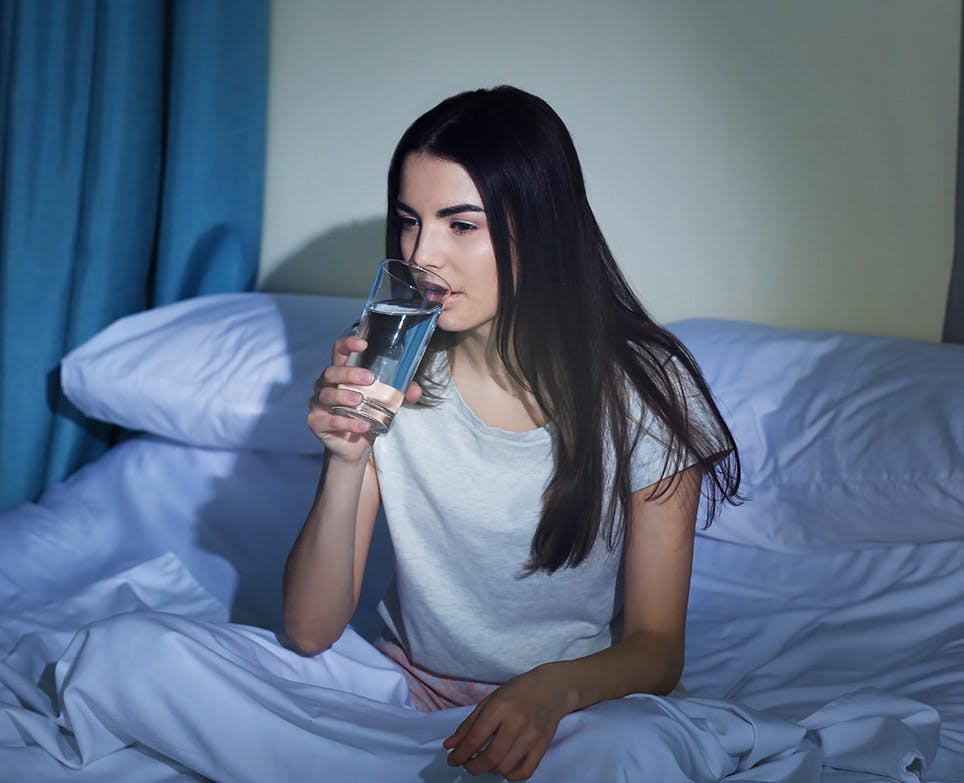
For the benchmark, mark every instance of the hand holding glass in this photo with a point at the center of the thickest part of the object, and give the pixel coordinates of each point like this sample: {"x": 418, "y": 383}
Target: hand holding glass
{"x": 397, "y": 322}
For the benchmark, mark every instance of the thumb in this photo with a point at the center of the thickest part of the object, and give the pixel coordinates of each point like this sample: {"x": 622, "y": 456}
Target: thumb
{"x": 414, "y": 393}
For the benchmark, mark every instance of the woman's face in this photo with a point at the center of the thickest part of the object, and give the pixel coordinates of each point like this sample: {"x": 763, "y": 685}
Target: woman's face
{"x": 444, "y": 229}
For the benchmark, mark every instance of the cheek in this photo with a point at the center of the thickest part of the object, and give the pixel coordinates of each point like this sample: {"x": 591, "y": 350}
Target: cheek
{"x": 406, "y": 240}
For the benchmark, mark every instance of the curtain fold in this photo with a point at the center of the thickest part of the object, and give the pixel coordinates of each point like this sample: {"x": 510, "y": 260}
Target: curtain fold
{"x": 215, "y": 150}
{"x": 954, "y": 315}
{"x": 131, "y": 174}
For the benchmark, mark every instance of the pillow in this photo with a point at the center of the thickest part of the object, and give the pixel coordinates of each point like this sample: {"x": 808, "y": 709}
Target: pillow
{"x": 846, "y": 441}
{"x": 221, "y": 371}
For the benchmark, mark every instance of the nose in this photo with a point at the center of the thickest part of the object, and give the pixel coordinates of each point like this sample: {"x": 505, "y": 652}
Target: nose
{"x": 428, "y": 251}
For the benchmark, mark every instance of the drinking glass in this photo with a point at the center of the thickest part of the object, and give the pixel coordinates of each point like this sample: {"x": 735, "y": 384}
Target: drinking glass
{"x": 398, "y": 320}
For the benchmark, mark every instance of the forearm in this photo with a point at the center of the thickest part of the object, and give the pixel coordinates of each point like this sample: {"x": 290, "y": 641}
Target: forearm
{"x": 528, "y": 708}
{"x": 657, "y": 567}
{"x": 319, "y": 578}
{"x": 640, "y": 663}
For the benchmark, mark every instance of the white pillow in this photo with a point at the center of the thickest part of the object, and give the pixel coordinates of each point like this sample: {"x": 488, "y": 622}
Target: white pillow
{"x": 847, "y": 440}
{"x": 222, "y": 371}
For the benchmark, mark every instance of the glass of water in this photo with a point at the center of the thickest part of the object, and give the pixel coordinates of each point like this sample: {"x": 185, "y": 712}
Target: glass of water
{"x": 398, "y": 320}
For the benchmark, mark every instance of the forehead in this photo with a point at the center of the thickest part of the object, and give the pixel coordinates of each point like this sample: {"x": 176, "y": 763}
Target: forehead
{"x": 435, "y": 182}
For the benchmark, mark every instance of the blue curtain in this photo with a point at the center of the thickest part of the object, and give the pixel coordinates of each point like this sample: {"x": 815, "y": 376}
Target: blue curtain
{"x": 131, "y": 175}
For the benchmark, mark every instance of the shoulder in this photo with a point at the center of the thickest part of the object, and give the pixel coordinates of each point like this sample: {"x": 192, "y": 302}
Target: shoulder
{"x": 662, "y": 374}
{"x": 655, "y": 380}
{"x": 670, "y": 403}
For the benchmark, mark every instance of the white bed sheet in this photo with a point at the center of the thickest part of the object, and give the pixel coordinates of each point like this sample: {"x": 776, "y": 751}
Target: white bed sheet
{"x": 203, "y": 534}
{"x": 223, "y": 699}
{"x": 229, "y": 516}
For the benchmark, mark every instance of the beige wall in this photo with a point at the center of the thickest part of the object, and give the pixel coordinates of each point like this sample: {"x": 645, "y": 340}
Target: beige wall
{"x": 790, "y": 162}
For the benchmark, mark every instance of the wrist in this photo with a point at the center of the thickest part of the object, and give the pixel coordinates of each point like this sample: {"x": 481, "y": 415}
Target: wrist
{"x": 337, "y": 461}
{"x": 561, "y": 677}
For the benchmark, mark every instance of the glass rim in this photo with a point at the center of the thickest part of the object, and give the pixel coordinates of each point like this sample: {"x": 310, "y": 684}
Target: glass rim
{"x": 445, "y": 289}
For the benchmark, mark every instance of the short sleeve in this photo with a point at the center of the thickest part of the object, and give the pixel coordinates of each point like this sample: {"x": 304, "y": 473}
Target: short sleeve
{"x": 655, "y": 450}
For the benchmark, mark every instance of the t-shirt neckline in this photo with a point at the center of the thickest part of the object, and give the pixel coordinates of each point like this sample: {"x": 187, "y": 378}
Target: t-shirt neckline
{"x": 537, "y": 435}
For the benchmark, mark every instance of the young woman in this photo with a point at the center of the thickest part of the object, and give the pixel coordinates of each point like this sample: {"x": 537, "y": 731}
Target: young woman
{"x": 542, "y": 483}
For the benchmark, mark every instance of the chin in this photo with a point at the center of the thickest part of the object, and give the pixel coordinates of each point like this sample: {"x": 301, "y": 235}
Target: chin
{"x": 450, "y": 322}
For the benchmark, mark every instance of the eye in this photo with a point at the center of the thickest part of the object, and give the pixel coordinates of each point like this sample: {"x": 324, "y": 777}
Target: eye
{"x": 407, "y": 222}
{"x": 461, "y": 227}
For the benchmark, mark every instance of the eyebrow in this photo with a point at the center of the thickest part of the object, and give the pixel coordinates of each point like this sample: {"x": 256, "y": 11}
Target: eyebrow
{"x": 444, "y": 212}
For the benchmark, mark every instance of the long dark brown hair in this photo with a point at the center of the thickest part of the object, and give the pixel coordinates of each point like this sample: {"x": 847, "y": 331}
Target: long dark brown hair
{"x": 569, "y": 328}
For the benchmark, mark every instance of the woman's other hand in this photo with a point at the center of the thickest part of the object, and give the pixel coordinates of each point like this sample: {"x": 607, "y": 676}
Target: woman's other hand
{"x": 510, "y": 730}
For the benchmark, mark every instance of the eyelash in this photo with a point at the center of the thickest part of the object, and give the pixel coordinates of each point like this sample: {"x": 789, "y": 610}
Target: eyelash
{"x": 407, "y": 223}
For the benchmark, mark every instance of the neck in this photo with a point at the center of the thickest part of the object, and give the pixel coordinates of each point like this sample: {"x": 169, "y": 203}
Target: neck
{"x": 486, "y": 384}
{"x": 478, "y": 352}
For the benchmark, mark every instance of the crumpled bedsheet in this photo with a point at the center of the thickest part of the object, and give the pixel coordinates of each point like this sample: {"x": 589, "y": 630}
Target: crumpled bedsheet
{"x": 140, "y": 677}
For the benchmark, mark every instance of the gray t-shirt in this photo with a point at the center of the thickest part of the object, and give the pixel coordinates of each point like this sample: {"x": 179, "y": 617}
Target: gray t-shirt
{"x": 462, "y": 501}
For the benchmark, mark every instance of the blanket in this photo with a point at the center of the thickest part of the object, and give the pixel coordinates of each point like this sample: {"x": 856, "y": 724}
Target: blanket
{"x": 141, "y": 677}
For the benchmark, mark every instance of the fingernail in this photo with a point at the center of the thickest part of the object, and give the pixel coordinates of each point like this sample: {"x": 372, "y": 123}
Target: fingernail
{"x": 366, "y": 376}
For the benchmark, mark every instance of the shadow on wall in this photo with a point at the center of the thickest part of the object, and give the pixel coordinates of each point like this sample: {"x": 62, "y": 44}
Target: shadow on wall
{"x": 340, "y": 262}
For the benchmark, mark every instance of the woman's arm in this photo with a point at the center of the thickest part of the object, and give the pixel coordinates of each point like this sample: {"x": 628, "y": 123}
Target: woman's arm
{"x": 324, "y": 571}
{"x": 521, "y": 717}
{"x": 657, "y": 567}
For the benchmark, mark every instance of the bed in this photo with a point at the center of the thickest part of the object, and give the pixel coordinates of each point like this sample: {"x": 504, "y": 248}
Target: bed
{"x": 825, "y": 638}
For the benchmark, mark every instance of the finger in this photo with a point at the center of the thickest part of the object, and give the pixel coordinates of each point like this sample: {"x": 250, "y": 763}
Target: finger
{"x": 350, "y": 425}
{"x": 323, "y": 420}
{"x": 414, "y": 393}
{"x": 516, "y": 754}
{"x": 345, "y": 347}
{"x": 340, "y": 374}
{"x": 323, "y": 423}
{"x": 330, "y": 396}
{"x": 336, "y": 394}
{"x": 474, "y": 740}
{"x": 335, "y": 374}
{"x": 465, "y": 726}
{"x": 339, "y": 423}
{"x": 493, "y": 755}
{"x": 459, "y": 734}
{"x": 530, "y": 761}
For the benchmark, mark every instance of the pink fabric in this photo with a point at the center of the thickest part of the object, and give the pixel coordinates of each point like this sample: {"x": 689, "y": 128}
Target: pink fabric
{"x": 429, "y": 692}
